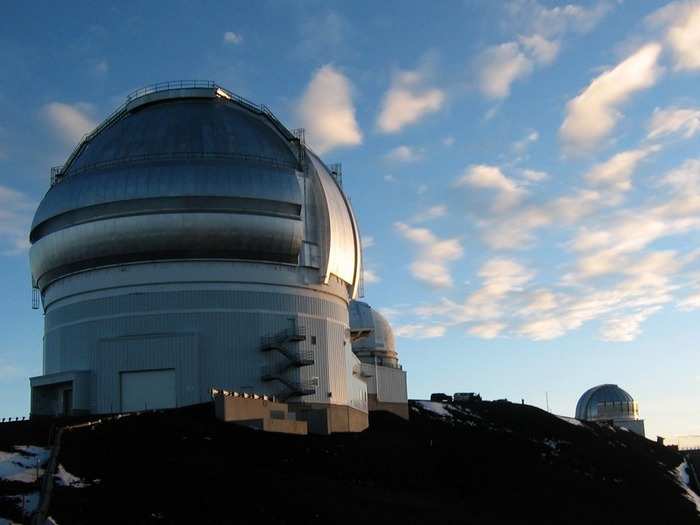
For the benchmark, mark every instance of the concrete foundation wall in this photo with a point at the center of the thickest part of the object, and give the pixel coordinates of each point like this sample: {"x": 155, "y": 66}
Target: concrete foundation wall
{"x": 326, "y": 419}
{"x": 230, "y": 408}
{"x": 400, "y": 409}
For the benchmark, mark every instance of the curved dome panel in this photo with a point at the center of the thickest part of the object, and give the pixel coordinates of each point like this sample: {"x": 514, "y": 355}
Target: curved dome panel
{"x": 257, "y": 184}
{"x": 587, "y": 406}
{"x": 344, "y": 252}
{"x": 375, "y": 337}
{"x": 181, "y": 174}
{"x": 185, "y": 126}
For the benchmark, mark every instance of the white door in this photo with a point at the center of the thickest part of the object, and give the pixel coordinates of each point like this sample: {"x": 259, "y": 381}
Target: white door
{"x": 147, "y": 390}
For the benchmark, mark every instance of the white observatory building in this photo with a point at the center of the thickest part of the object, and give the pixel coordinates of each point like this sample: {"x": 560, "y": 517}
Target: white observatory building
{"x": 374, "y": 344}
{"x": 191, "y": 242}
{"x": 610, "y": 403}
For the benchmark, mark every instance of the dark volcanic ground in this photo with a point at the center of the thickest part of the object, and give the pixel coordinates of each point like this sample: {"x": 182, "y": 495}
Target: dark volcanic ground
{"x": 484, "y": 463}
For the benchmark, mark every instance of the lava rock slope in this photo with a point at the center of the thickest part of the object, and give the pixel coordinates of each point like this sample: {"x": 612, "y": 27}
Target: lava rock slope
{"x": 477, "y": 463}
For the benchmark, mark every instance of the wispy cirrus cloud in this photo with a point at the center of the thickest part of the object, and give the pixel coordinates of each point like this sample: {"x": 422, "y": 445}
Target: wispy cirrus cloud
{"x": 232, "y": 38}
{"x": 419, "y": 331}
{"x": 405, "y": 154}
{"x": 508, "y": 192}
{"x": 70, "y": 122}
{"x": 616, "y": 172}
{"x": 434, "y": 254}
{"x": 409, "y": 99}
{"x": 541, "y": 31}
{"x": 327, "y": 112}
{"x": 592, "y": 115}
{"x": 674, "y": 120}
{"x": 681, "y": 24}
{"x": 434, "y": 212}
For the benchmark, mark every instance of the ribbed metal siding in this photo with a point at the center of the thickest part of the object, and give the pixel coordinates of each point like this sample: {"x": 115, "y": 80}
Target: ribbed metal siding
{"x": 113, "y": 356}
{"x": 388, "y": 383}
{"x": 225, "y": 326}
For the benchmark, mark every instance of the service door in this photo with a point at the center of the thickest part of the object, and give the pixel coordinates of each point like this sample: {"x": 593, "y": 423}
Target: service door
{"x": 147, "y": 390}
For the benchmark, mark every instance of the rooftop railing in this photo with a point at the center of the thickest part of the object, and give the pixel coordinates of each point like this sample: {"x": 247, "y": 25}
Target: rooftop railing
{"x": 57, "y": 172}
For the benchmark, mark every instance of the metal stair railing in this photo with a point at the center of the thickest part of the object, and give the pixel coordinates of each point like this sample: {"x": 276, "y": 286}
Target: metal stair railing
{"x": 295, "y": 388}
{"x": 281, "y": 342}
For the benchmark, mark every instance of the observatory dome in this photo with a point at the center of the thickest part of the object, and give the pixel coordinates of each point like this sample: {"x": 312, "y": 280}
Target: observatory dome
{"x": 191, "y": 242}
{"x": 192, "y": 172}
{"x": 374, "y": 337}
{"x": 606, "y": 402}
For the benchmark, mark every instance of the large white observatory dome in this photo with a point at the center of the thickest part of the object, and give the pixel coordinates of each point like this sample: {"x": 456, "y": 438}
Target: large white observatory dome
{"x": 191, "y": 241}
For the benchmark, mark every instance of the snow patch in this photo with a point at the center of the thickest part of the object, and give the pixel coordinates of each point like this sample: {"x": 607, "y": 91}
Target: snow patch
{"x": 572, "y": 420}
{"x": 683, "y": 478}
{"x": 21, "y": 464}
{"x": 66, "y": 479}
{"x": 435, "y": 407}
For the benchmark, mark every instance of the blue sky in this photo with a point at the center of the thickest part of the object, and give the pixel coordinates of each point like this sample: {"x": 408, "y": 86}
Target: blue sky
{"x": 526, "y": 175}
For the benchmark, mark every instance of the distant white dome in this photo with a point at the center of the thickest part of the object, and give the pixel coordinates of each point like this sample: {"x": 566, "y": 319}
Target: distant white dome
{"x": 606, "y": 402}
{"x": 374, "y": 337}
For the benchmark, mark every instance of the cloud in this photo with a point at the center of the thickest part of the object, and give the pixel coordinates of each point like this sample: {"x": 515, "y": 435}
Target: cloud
{"x": 609, "y": 248}
{"x": 389, "y": 178}
{"x": 407, "y": 101}
{"x": 232, "y": 38}
{"x": 405, "y": 154}
{"x": 327, "y": 112}
{"x": 542, "y": 50}
{"x": 593, "y": 114}
{"x": 540, "y": 301}
{"x": 681, "y": 21}
{"x": 521, "y": 145}
{"x": 556, "y": 20}
{"x": 370, "y": 276}
{"x": 487, "y": 330}
{"x": 434, "y": 212}
{"x": 543, "y": 329}
{"x": 15, "y": 217}
{"x": 70, "y": 122}
{"x": 541, "y": 32}
{"x": 367, "y": 241}
{"x": 434, "y": 254}
{"x": 419, "y": 331}
{"x": 516, "y": 230}
{"x": 324, "y": 36}
{"x": 102, "y": 67}
{"x": 689, "y": 303}
{"x": 509, "y": 193}
{"x": 619, "y": 275}
{"x": 616, "y": 172}
{"x": 674, "y": 120}
{"x": 448, "y": 141}
{"x": 534, "y": 175}
{"x": 626, "y": 328}
{"x": 499, "y": 278}
{"x": 499, "y": 66}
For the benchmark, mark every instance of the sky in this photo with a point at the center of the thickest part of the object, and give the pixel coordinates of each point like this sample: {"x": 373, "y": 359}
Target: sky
{"x": 526, "y": 175}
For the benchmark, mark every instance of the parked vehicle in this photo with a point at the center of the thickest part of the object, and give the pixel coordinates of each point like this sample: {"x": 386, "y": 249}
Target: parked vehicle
{"x": 440, "y": 397}
{"x": 465, "y": 397}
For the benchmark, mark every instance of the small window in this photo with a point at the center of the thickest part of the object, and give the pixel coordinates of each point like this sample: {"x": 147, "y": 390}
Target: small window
{"x": 313, "y": 339}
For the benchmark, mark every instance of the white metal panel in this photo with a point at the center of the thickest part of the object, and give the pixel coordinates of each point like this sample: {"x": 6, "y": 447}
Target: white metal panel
{"x": 343, "y": 252}
{"x": 389, "y": 384}
{"x": 147, "y": 389}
